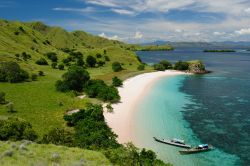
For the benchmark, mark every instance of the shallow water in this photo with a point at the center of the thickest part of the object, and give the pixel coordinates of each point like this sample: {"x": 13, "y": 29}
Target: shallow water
{"x": 211, "y": 108}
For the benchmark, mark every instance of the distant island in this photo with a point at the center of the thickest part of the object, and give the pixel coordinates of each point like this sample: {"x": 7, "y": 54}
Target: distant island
{"x": 219, "y": 51}
{"x": 248, "y": 50}
{"x": 165, "y": 47}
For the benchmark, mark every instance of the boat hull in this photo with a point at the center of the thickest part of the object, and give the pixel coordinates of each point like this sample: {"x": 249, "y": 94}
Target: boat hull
{"x": 192, "y": 151}
{"x": 172, "y": 143}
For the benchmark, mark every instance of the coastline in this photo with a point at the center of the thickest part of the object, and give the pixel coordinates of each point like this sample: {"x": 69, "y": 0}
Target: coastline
{"x": 120, "y": 120}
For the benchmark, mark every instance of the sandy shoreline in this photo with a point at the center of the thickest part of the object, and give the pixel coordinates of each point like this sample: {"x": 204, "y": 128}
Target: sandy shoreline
{"x": 133, "y": 89}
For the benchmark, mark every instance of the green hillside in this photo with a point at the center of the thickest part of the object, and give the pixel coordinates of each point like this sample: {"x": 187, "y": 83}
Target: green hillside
{"x": 28, "y": 153}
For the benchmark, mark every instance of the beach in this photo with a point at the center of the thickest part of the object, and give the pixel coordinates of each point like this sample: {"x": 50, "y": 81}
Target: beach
{"x": 133, "y": 89}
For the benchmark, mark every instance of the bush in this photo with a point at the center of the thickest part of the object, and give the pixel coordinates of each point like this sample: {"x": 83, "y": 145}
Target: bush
{"x": 141, "y": 67}
{"x": 41, "y": 61}
{"x": 2, "y": 98}
{"x": 25, "y": 56}
{"x": 106, "y": 58}
{"x": 33, "y": 77}
{"x": 52, "y": 56}
{"x": 74, "y": 79}
{"x": 79, "y": 62}
{"x": 98, "y": 55}
{"x": 67, "y": 61}
{"x": 40, "y": 73}
{"x": 11, "y": 72}
{"x": 116, "y": 82}
{"x": 91, "y": 61}
{"x": 181, "y": 66}
{"x": 166, "y": 64}
{"x": 116, "y": 66}
{"x": 104, "y": 51}
{"x": 100, "y": 63}
{"x": 98, "y": 89}
{"x": 53, "y": 65}
{"x": 15, "y": 130}
{"x": 58, "y": 137}
{"x": 159, "y": 67}
{"x": 61, "y": 67}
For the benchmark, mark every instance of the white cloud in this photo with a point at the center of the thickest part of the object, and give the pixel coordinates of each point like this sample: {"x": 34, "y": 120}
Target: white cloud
{"x": 247, "y": 10}
{"x": 115, "y": 37}
{"x": 219, "y": 33}
{"x": 87, "y": 9}
{"x": 123, "y": 11}
{"x": 178, "y": 30}
{"x": 245, "y": 31}
{"x": 138, "y": 35}
{"x": 108, "y": 3}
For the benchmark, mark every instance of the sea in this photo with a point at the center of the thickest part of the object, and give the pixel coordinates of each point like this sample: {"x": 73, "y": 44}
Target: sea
{"x": 213, "y": 108}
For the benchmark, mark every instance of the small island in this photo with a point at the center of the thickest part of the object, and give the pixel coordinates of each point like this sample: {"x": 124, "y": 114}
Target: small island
{"x": 165, "y": 47}
{"x": 219, "y": 51}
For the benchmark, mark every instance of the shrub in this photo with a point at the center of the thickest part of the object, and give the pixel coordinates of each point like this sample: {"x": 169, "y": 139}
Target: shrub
{"x": 79, "y": 62}
{"x": 104, "y": 51}
{"x": 11, "y": 72}
{"x": 67, "y": 61}
{"x": 91, "y": 61}
{"x": 16, "y": 33}
{"x": 17, "y": 55}
{"x": 15, "y": 130}
{"x": 41, "y": 61}
{"x": 98, "y": 55}
{"x": 52, "y": 56}
{"x": 98, "y": 89}
{"x": 100, "y": 63}
{"x": 159, "y": 67}
{"x": 141, "y": 67}
{"x": 106, "y": 58}
{"x": 25, "y": 56}
{"x": 116, "y": 66}
{"x": 166, "y": 64}
{"x": 61, "y": 67}
{"x": 53, "y": 65}
{"x": 33, "y": 77}
{"x": 74, "y": 79}
{"x": 41, "y": 73}
{"x": 181, "y": 66}
{"x": 116, "y": 82}
{"x": 58, "y": 137}
{"x": 2, "y": 98}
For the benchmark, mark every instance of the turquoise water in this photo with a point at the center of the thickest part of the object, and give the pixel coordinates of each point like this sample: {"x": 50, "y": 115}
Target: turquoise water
{"x": 159, "y": 114}
{"x": 215, "y": 108}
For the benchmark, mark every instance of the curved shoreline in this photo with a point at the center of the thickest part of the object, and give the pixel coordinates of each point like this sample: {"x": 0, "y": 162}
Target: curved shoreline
{"x": 132, "y": 91}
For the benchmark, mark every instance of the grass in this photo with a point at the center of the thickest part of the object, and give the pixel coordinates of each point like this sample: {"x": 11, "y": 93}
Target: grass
{"x": 23, "y": 154}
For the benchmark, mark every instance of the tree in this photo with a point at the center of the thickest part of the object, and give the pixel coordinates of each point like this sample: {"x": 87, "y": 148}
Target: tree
{"x": 41, "y": 61}
{"x": 116, "y": 66}
{"x": 74, "y": 79}
{"x": 11, "y": 72}
{"x": 61, "y": 67}
{"x": 53, "y": 65}
{"x": 40, "y": 73}
{"x": 58, "y": 137}
{"x": 116, "y": 82}
{"x": 98, "y": 55}
{"x": 100, "y": 63}
{"x": 79, "y": 62}
{"x": 2, "y": 98}
{"x": 25, "y": 56}
{"x": 52, "y": 56}
{"x": 106, "y": 58}
{"x": 181, "y": 66}
{"x": 166, "y": 64}
{"x": 141, "y": 67}
{"x": 91, "y": 61}
{"x": 15, "y": 130}
{"x": 159, "y": 67}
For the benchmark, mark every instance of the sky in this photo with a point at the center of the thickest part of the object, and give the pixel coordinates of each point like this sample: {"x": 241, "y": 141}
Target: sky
{"x": 140, "y": 21}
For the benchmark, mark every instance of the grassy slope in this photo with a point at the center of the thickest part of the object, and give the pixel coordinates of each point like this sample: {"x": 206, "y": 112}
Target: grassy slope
{"x": 36, "y": 154}
{"x": 38, "y": 101}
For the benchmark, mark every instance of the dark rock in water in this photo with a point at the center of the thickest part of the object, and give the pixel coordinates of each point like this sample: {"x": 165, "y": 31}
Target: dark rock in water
{"x": 197, "y": 67}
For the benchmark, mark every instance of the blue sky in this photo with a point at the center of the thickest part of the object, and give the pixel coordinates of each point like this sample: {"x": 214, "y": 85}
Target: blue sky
{"x": 140, "y": 20}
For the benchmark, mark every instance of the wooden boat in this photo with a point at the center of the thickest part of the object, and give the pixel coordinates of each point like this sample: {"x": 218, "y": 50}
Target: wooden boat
{"x": 198, "y": 149}
{"x": 173, "y": 142}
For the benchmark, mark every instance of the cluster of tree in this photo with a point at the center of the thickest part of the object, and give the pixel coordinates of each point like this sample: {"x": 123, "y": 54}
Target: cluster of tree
{"x": 74, "y": 79}
{"x": 42, "y": 61}
{"x": 24, "y": 56}
{"x": 219, "y": 51}
{"x": 163, "y": 65}
{"x": 74, "y": 58}
{"x": 98, "y": 89}
{"x": 182, "y": 66}
{"x": 52, "y": 56}
{"x": 12, "y": 72}
{"x": 116, "y": 82}
{"x": 15, "y": 130}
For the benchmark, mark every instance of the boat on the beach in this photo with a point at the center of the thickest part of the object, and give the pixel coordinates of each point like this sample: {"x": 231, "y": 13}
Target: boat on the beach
{"x": 173, "y": 142}
{"x": 198, "y": 149}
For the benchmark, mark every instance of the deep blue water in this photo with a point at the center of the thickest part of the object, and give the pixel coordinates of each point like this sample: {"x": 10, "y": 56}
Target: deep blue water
{"x": 219, "y": 113}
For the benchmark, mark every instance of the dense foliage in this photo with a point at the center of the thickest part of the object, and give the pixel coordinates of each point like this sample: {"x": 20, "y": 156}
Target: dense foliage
{"x": 52, "y": 56}
{"x": 159, "y": 67}
{"x": 91, "y": 61}
{"x": 11, "y": 72}
{"x": 141, "y": 67}
{"x": 98, "y": 89}
{"x": 116, "y": 82}
{"x": 116, "y": 66}
{"x": 166, "y": 64}
{"x": 15, "y": 129}
{"x": 41, "y": 61}
{"x": 74, "y": 79}
{"x": 181, "y": 66}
